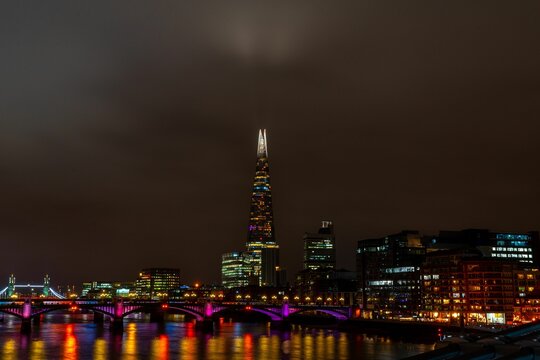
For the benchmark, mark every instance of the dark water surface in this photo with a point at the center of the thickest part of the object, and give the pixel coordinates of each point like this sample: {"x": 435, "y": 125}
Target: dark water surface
{"x": 77, "y": 337}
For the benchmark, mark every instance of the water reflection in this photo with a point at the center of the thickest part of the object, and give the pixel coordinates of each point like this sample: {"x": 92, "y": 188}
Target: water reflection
{"x": 83, "y": 339}
{"x": 160, "y": 348}
{"x": 9, "y": 350}
{"x": 100, "y": 349}
{"x": 70, "y": 343}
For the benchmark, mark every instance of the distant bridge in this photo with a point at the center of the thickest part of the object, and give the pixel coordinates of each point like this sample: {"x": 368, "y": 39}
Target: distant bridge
{"x": 45, "y": 288}
{"x": 118, "y": 309}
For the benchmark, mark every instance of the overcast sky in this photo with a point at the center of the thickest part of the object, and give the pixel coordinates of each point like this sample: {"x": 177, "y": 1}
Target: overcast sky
{"x": 128, "y": 130}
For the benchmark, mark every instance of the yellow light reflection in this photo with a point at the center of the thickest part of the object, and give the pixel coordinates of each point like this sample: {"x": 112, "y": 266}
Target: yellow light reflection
{"x": 188, "y": 348}
{"x": 130, "y": 344}
{"x": 307, "y": 346}
{"x": 100, "y": 349}
{"x": 9, "y": 351}
{"x": 37, "y": 350}
{"x": 319, "y": 345}
{"x": 295, "y": 346}
{"x": 343, "y": 349}
{"x": 264, "y": 345}
{"x": 160, "y": 348}
{"x": 237, "y": 348}
{"x": 330, "y": 344}
{"x": 275, "y": 347}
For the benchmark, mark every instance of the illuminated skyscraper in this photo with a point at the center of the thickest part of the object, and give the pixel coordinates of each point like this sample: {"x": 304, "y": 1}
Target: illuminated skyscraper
{"x": 320, "y": 249}
{"x": 236, "y": 269}
{"x": 260, "y": 263}
{"x": 261, "y": 236}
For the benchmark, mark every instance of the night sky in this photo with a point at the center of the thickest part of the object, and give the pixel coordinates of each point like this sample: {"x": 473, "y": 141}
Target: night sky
{"x": 128, "y": 130}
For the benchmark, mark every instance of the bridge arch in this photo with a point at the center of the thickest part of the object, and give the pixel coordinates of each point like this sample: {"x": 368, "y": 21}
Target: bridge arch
{"x": 336, "y": 314}
{"x": 274, "y": 316}
{"x": 198, "y": 316}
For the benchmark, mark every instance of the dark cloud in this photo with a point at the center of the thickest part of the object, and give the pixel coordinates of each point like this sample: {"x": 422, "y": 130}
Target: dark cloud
{"x": 128, "y": 129}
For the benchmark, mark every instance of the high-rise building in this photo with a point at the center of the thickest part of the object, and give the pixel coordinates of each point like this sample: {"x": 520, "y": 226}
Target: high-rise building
{"x": 388, "y": 271}
{"x": 269, "y": 265}
{"x": 320, "y": 249}
{"x": 236, "y": 269}
{"x": 261, "y": 220}
{"x": 155, "y": 283}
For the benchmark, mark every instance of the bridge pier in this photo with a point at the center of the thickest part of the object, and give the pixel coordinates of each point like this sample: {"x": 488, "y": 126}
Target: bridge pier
{"x": 157, "y": 316}
{"x": 117, "y": 325}
{"x": 205, "y": 325}
{"x": 280, "y": 324}
{"x": 26, "y": 326}
{"x": 98, "y": 318}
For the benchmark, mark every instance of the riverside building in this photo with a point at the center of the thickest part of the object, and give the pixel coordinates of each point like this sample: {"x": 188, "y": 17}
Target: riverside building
{"x": 388, "y": 271}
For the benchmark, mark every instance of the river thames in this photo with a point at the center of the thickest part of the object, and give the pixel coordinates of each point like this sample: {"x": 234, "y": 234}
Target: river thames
{"x": 68, "y": 336}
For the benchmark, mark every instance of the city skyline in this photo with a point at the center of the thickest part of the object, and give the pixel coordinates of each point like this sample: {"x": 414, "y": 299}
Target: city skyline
{"x": 127, "y": 144}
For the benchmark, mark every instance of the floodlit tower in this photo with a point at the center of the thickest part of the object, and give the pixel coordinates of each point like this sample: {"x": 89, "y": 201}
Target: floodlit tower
{"x": 11, "y": 285}
{"x": 46, "y": 285}
{"x": 261, "y": 236}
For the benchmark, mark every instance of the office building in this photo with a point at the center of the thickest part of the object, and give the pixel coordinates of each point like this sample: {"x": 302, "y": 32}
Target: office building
{"x": 465, "y": 288}
{"x": 155, "y": 283}
{"x": 236, "y": 269}
{"x": 518, "y": 247}
{"x": 261, "y": 233}
{"x": 108, "y": 289}
{"x": 388, "y": 271}
{"x": 261, "y": 260}
{"x": 320, "y": 248}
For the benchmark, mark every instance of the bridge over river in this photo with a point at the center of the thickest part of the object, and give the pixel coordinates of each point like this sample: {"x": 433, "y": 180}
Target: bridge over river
{"x": 31, "y": 309}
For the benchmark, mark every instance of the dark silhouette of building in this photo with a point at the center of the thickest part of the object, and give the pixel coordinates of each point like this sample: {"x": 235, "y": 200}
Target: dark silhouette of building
{"x": 388, "y": 271}
{"x": 326, "y": 285}
{"x": 320, "y": 248}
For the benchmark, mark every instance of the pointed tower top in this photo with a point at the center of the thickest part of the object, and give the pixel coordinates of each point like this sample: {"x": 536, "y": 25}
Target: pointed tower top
{"x": 262, "y": 149}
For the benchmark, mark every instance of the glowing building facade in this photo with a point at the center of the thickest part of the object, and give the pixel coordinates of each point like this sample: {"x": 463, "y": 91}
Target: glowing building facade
{"x": 236, "y": 269}
{"x": 156, "y": 283}
{"x": 262, "y": 255}
{"x": 261, "y": 237}
{"x": 320, "y": 249}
